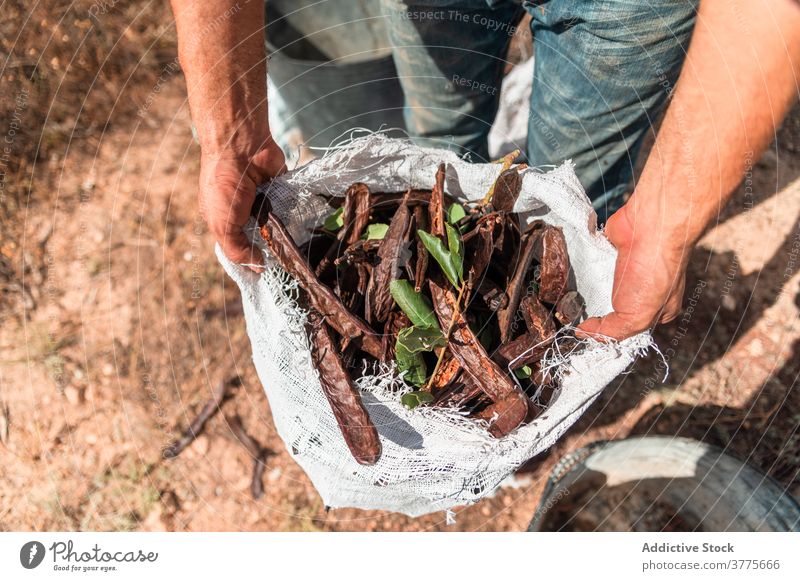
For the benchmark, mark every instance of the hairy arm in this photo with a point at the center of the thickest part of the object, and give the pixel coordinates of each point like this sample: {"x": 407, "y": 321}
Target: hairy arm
{"x": 739, "y": 80}
{"x": 221, "y": 50}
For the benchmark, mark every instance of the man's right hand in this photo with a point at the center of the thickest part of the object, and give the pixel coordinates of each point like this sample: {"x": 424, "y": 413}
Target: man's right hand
{"x": 227, "y": 191}
{"x": 221, "y": 50}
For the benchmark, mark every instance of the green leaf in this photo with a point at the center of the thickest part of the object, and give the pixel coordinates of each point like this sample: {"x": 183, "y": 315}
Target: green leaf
{"x": 523, "y": 372}
{"x": 415, "y": 398}
{"x": 334, "y": 221}
{"x": 411, "y": 343}
{"x": 456, "y": 250}
{"x": 455, "y": 213}
{"x": 418, "y": 339}
{"x": 442, "y": 256}
{"x": 414, "y": 304}
{"x": 376, "y": 231}
{"x": 412, "y": 365}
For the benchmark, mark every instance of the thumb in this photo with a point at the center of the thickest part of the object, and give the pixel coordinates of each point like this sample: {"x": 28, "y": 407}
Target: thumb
{"x": 611, "y": 326}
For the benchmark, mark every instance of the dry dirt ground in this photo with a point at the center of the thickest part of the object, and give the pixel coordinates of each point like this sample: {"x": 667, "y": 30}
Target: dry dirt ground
{"x": 135, "y": 323}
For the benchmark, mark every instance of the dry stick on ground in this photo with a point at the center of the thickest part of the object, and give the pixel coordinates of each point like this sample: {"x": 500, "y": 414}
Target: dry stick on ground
{"x": 256, "y": 450}
{"x": 209, "y": 410}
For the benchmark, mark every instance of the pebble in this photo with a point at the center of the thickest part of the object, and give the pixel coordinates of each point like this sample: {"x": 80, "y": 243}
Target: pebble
{"x": 756, "y": 348}
{"x": 274, "y": 474}
{"x": 74, "y": 395}
{"x": 728, "y": 303}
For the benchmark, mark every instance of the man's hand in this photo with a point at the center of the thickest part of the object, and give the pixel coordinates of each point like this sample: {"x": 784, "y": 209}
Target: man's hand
{"x": 221, "y": 49}
{"x": 227, "y": 192}
{"x": 649, "y": 280}
{"x": 738, "y": 82}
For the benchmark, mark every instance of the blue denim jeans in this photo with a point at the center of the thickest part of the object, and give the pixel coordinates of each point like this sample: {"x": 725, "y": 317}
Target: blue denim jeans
{"x": 603, "y": 72}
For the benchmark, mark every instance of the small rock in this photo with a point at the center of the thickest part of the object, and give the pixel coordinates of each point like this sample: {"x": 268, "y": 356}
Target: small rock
{"x": 274, "y": 474}
{"x": 188, "y": 256}
{"x": 756, "y": 348}
{"x": 91, "y": 439}
{"x": 74, "y": 395}
{"x": 156, "y": 521}
{"x": 108, "y": 369}
{"x": 197, "y": 449}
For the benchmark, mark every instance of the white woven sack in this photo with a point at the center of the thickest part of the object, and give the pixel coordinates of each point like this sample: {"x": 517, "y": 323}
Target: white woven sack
{"x": 433, "y": 459}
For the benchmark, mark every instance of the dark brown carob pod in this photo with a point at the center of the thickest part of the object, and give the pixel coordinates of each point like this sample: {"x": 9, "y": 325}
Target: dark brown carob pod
{"x": 323, "y": 299}
{"x": 392, "y": 250}
{"x": 505, "y": 316}
{"x": 511, "y": 402}
{"x": 537, "y": 318}
{"x": 570, "y": 307}
{"x": 421, "y": 265}
{"x": 506, "y": 190}
{"x": 551, "y": 252}
{"x": 357, "y": 429}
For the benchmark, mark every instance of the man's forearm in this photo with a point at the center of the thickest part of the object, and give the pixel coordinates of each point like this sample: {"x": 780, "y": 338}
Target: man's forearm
{"x": 739, "y": 80}
{"x": 221, "y": 50}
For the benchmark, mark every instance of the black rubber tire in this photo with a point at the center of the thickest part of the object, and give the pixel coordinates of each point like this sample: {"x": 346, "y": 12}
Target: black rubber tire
{"x": 661, "y": 483}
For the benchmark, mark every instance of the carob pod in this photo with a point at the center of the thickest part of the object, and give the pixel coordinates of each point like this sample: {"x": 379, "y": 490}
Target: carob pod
{"x": 357, "y": 428}
{"x": 537, "y": 318}
{"x": 526, "y": 349}
{"x": 479, "y": 246}
{"x": 510, "y": 405}
{"x": 569, "y": 308}
{"x": 447, "y": 373}
{"x": 322, "y": 298}
{"x": 436, "y": 207}
{"x": 421, "y": 265}
{"x": 541, "y": 331}
{"x": 393, "y": 249}
{"x": 355, "y": 216}
{"x": 506, "y": 190}
{"x": 516, "y": 287}
{"x": 551, "y": 252}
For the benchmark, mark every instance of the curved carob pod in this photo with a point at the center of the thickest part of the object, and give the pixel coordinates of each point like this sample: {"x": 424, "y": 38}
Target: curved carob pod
{"x": 393, "y": 248}
{"x": 551, "y": 252}
{"x": 357, "y": 428}
{"x": 323, "y": 299}
{"x": 510, "y": 406}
